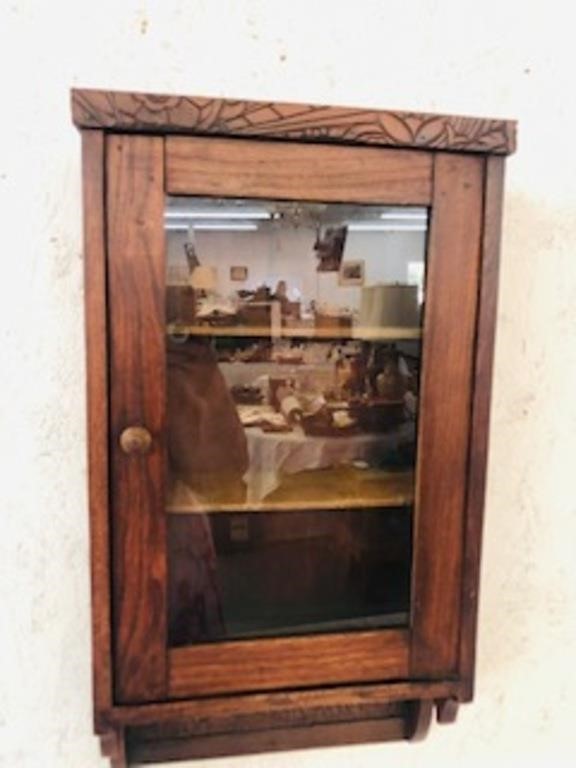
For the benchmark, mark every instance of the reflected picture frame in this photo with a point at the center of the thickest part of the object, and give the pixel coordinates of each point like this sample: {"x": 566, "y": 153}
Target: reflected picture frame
{"x": 351, "y": 273}
{"x": 238, "y": 274}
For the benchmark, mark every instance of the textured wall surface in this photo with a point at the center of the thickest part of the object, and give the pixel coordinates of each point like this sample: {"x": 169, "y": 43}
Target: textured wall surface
{"x": 488, "y": 59}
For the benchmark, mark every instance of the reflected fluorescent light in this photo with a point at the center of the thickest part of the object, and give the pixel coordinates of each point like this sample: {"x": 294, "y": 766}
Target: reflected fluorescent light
{"x": 245, "y": 215}
{"x": 405, "y": 215}
{"x": 226, "y": 227}
{"x": 216, "y": 227}
{"x": 377, "y": 227}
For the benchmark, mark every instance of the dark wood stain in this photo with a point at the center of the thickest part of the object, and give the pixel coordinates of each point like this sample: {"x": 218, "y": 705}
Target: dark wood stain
{"x": 451, "y": 294}
{"x": 137, "y": 386}
{"x": 152, "y": 702}
{"x": 140, "y": 750}
{"x": 97, "y": 406}
{"x": 485, "y": 332}
{"x": 245, "y": 712}
{"x": 228, "y": 167}
{"x": 288, "y": 662}
{"x": 144, "y": 112}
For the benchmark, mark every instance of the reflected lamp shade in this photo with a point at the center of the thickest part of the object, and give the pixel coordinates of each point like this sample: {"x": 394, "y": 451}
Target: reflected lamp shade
{"x": 203, "y": 278}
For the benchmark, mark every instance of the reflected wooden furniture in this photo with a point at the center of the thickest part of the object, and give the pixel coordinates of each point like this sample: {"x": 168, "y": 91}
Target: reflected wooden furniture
{"x": 154, "y": 702}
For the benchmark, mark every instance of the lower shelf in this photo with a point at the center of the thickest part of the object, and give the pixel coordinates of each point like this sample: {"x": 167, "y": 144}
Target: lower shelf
{"x": 399, "y": 619}
{"x": 280, "y": 720}
{"x": 141, "y": 747}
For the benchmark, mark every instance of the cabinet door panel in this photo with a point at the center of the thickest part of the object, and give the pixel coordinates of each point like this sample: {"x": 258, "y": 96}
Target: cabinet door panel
{"x": 426, "y": 645}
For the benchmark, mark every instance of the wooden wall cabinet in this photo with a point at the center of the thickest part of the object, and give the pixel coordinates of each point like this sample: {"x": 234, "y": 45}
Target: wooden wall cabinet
{"x": 250, "y": 594}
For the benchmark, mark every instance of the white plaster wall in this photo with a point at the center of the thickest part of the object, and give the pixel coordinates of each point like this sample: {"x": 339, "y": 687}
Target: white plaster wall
{"x": 490, "y": 58}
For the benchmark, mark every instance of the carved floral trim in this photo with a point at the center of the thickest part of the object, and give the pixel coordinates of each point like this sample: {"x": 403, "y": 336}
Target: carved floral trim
{"x": 224, "y": 117}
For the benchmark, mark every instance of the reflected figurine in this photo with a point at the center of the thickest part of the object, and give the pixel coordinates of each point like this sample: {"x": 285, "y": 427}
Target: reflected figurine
{"x": 281, "y": 295}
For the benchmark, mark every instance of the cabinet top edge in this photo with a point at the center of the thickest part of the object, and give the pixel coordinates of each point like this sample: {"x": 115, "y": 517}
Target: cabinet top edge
{"x": 154, "y": 113}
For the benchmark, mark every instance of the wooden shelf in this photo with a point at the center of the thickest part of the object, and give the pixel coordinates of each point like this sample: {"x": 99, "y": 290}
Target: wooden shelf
{"x": 175, "y": 508}
{"x": 378, "y": 621}
{"x": 340, "y": 489}
{"x": 244, "y": 331}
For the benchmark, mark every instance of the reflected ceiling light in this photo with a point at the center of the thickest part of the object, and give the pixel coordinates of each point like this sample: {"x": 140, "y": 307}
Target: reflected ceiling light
{"x": 215, "y": 227}
{"x": 405, "y": 215}
{"x": 223, "y": 214}
{"x": 221, "y": 227}
{"x": 377, "y": 227}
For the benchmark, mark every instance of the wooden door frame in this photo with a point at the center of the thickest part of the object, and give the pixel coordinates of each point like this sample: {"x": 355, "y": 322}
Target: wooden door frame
{"x": 136, "y": 287}
{"x": 145, "y": 669}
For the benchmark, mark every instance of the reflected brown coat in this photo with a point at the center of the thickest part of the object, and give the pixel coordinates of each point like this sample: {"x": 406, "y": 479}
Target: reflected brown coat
{"x": 206, "y": 442}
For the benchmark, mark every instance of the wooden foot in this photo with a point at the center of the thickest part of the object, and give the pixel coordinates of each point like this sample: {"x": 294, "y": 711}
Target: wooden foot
{"x": 446, "y": 710}
{"x": 420, "y": 719}
{"x": 112, "y": 746}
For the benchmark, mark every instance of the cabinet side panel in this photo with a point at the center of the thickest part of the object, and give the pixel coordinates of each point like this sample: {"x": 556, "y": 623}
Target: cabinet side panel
{"x": 137, "y": 385}
{"x": 97, "y": 413}
{"x": 494, "y": 184}
{"x": 448, "y": 355}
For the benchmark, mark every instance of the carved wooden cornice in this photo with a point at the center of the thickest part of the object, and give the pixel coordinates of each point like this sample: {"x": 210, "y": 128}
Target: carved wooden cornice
{"x": 141, "y": 112}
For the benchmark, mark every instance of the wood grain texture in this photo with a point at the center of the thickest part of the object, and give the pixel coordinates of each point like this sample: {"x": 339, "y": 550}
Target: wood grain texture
{"x": 243, "y": 719}
{"x": 450, "y": 322}
{"x": 259, "y": 665}
{"x": 277, "y": 739}
{"x": 485, "y": 332}
{"x": 142, "y": 112}
{"x": 137, "y": 382}
{"x": 242, "y": 168}
{"x": 220, "y": 714}
{"x": 97, "y": 413}
{"x": 297, "y": 718}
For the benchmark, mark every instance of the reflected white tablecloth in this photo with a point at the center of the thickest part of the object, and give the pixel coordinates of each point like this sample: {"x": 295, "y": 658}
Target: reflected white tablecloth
{"x": 275, "y": 454}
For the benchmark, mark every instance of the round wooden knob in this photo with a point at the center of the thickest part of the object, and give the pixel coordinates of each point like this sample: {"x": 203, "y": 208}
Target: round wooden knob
{"x": 135, "y": 440}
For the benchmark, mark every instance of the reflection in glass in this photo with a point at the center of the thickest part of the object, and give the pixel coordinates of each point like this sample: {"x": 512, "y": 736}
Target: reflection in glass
{"x": 293, "y": 359}
{"x": 258, "y": 575}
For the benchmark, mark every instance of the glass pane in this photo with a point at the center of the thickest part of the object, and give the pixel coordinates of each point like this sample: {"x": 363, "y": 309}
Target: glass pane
{"x": 293, "y": 358}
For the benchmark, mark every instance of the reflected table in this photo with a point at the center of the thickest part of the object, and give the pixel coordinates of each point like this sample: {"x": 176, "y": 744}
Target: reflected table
{"x": 276, "y": 455}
